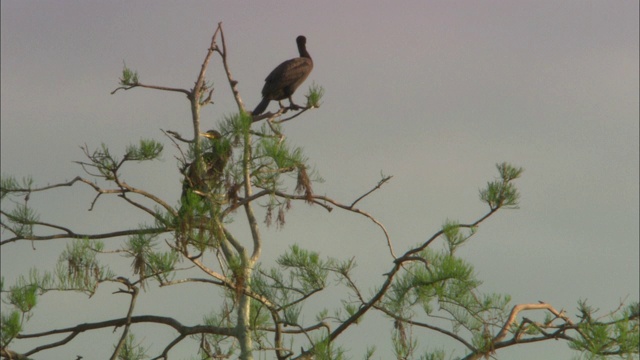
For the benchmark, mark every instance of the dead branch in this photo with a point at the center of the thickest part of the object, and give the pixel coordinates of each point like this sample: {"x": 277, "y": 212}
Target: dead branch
{"x": 154, "y": 87}
{"x": 175, "y": 135}
{"x": 232, "y": 83}
{"x": 522, "y": 307}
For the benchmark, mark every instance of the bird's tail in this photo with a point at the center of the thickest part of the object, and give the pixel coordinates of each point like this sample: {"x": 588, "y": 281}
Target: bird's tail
{"x": 261, "y": 107}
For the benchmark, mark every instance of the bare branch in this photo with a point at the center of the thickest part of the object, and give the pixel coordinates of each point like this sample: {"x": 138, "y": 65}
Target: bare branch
{"x": 440, "y": 232}
{"x": 232, "y": 83}
{"x": 283, "y": 110}
{"x": 142, "y": 319}
{"x": 300, "y": 112}
{"x": 522, "y": 307}
{"x": 133, "y": 291}
{"x": 363, "y": 213}
{"x": 205, "y": 63}
{"x": 64, "y": 184}
{"x": 53, "y": 344}
{"x": 380, "y": 183}
{"x": 176, "y": 136}
{"x": 366, "y": 306}
{"x": 73, "y": 235}
{"x": 154, "y": 87}
{"x": 165, "y": 352}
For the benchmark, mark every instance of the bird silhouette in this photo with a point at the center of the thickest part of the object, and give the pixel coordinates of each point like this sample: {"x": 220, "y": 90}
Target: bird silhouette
{"x": 283, "y": 81}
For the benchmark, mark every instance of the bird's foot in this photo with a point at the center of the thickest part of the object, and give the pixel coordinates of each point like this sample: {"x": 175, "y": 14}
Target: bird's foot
{"x": 293, "y": 106}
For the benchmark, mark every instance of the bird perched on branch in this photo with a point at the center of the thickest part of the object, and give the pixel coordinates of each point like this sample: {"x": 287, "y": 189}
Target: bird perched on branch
{"x": 204, "y": 178}
{"x": 283, "y": 81}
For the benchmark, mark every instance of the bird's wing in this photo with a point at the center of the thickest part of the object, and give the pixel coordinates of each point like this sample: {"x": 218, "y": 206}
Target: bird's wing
{"x": 289, "y": 72}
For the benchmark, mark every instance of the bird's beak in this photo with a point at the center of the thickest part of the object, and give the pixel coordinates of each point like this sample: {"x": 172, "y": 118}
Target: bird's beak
{"x": 208, "y": 135}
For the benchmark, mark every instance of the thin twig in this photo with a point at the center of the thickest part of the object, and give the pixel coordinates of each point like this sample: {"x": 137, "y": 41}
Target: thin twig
{"x": 154, "y": 87}
{"x": 304, "y": 109}
{"x": 175, "y": 135}
{"x": 380, "y": 183}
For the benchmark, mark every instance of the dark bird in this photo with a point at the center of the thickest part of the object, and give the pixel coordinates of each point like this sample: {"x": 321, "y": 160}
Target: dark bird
{"x": 209, "y": 174}
{"x": 283, "y": 81}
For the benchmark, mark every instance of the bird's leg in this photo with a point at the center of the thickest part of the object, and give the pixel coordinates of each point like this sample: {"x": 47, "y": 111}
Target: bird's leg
{"x": 292, "y": 105}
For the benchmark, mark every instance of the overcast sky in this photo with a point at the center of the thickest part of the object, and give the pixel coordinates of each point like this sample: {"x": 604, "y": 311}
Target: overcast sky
{"x": 431, "y": 92}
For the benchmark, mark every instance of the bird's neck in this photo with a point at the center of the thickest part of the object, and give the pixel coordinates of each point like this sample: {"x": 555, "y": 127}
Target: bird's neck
{"x": 304, "y": 53}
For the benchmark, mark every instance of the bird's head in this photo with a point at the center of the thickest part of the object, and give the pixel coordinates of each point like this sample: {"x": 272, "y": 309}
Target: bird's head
{"x": 216, "y": 144}
{"x": 211, "y": 134}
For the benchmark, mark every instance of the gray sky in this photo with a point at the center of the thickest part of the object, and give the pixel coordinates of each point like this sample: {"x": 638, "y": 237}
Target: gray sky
{"x": 432, "y": 92}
